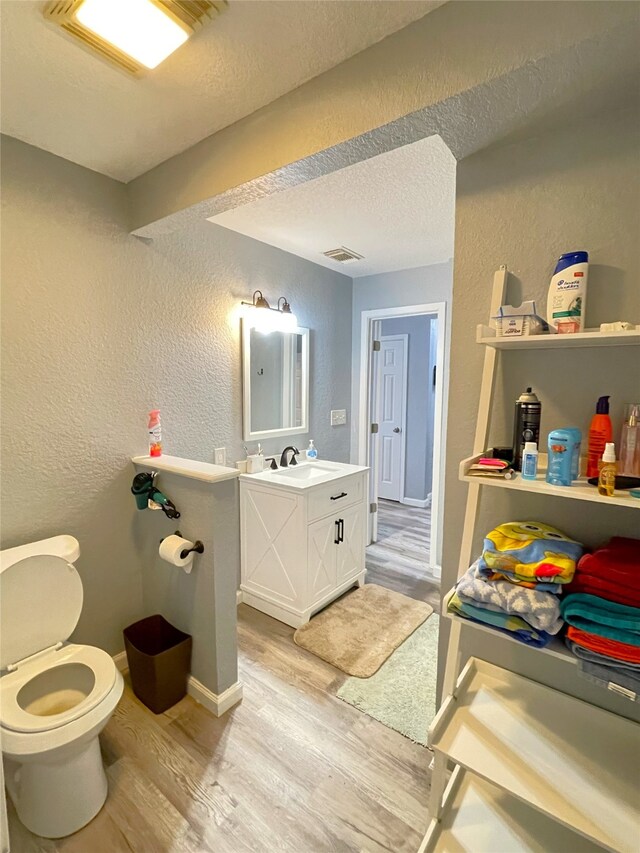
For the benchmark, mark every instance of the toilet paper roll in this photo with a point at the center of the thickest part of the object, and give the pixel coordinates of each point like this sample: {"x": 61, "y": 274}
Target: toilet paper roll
{"x": 170, "y": 549}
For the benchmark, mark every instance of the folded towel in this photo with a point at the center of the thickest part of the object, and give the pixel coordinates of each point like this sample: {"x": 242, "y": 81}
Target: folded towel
{"x": 604, "y": 660}
{"x": 539, "y": 609}
{"x": 604, "y": 618}
{"x": 512, "y": 625}
{"x": 602, "y": 645}
{"x": 618, "y": 680}
{"x": 618, "y": 560}
{"x": 604, "y": 588}
{"x": 530, "y": 551}
{"x": 488, "y": 575}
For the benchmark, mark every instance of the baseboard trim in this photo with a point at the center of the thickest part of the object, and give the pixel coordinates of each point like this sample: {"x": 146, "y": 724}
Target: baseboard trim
{"x": 217, "y": 703}
{"x": 120, "y": 660}
{"x": 238, "y": 596}
{"x": 436, "y": 571}
{"x": 417, "y": 503}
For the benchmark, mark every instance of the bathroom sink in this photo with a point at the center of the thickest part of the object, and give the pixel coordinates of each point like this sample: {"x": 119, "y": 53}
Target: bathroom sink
{"x": 304, "y": 475}
{"x": 307, "y": 472}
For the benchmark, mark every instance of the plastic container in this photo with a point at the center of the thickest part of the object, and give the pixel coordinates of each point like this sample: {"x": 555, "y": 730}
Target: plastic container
{"x": 530, "y": 461}
{"x": 575, "y": 462}
{"x": 607, "y": 476}
{"x": 159, "y": 658}
{"x": 600, "y": 433}
{"x": 561, "y": 445}
{"x": 155, "y": 433}
{"x": 526, "y": 424}
{"x": 312, "y": 453}
{"x": 568, "y": 293}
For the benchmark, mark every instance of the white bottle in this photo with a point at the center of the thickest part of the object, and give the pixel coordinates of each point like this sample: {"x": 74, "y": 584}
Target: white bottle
{"x": 568, "y": 293}
{"x": 312, "y": 453}
{"x": 530, "y": 460}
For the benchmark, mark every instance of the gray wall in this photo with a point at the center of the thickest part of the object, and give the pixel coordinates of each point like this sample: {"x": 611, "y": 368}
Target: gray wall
{"x": 99, "y": 327}
{"x": 419, "y": 425}
{"x": 523, "y": 204}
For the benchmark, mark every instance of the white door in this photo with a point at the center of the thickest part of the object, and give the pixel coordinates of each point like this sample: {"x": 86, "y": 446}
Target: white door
{"x": 391, "y": 416}
{"x": 350, "y": 550}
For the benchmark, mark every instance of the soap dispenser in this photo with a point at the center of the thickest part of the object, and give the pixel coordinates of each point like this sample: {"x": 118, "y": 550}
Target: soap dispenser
{"x": 312, "y": 453}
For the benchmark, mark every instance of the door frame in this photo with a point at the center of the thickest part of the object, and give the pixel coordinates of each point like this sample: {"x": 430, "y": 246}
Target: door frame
{"x": 376, "y": 403}
{"x": 368, "y": 318}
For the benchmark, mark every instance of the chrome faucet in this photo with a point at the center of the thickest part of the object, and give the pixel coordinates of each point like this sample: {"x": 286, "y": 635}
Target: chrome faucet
{"x": 284, "y": 462}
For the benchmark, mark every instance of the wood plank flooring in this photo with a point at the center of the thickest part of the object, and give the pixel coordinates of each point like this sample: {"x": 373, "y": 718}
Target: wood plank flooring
{"x": 399, "y": 560}
{"x": 292, "y": 768}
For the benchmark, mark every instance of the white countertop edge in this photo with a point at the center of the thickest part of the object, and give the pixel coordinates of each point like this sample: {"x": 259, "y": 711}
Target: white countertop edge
{"x": 190, "y": 468}
{"x": 265, "y": 478}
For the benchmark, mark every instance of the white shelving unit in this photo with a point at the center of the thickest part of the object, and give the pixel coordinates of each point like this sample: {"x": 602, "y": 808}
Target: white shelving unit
{"x": 580, "y": 490}
{"x": 535, "y": 769}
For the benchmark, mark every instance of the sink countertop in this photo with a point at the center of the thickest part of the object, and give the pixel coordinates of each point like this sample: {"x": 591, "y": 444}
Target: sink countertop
{"x": 305, "y": 475}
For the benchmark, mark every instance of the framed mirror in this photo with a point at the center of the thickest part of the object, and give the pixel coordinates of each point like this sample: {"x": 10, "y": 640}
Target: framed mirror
{"x": 275, "y": 383}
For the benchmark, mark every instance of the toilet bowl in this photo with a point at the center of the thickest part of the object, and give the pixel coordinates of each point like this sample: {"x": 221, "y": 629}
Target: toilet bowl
{"x": 55, "y": 696}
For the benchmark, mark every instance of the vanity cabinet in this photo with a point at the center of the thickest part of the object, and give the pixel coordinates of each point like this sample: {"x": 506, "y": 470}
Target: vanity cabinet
{"x": 301, "y": 548}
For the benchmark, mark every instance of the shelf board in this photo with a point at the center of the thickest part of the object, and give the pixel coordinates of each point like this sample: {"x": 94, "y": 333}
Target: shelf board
{"x": 556, "y": 647}
{"x": 190, "y": 468}
{"x": 480, "y": 817}
{"x": 568, "y": 759}
{"x": 580, "y": 490}
{"x": 590, "y": 338}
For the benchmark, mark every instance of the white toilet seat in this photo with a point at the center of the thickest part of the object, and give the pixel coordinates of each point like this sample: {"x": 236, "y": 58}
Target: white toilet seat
{"x": 17, "y": 719}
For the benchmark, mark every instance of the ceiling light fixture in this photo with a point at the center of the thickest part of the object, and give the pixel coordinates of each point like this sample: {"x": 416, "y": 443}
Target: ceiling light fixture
{"x": 136, "y": 35}
{"x": 262, "y": 317}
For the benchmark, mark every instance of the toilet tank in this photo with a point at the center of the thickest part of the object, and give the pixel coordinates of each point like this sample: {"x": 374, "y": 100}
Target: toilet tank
{"x": 65, "y": 546}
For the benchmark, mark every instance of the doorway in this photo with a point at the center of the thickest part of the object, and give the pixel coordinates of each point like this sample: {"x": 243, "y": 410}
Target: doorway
{"x": 402, "y": 380}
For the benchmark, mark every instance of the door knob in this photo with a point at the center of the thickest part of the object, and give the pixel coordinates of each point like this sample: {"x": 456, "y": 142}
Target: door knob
{"x": 397, "y": 429}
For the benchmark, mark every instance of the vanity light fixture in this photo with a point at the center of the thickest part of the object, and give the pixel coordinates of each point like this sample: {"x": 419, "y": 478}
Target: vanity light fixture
{"x": 135, "y": 35}
{"x": 262, "y": 317}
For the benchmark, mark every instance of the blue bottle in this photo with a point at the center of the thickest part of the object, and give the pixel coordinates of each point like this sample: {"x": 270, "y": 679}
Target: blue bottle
{"x": 561, "y": 447}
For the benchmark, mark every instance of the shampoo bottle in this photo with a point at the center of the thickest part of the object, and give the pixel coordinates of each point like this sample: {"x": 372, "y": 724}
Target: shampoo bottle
{"x": 568, "y": 293}
{"x": 155, "y": 433}
{"x": 600, "y": 433}
{"x": 607, "y": 476}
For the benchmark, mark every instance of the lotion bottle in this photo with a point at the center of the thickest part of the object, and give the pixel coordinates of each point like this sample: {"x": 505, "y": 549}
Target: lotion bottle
{"x": 607, "y": 476}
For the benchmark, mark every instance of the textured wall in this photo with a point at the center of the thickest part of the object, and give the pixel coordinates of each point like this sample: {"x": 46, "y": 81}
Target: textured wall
{"x": 419, "y": 425}
{"x": 100, "y": 326}
{"x": 522, "y": 205}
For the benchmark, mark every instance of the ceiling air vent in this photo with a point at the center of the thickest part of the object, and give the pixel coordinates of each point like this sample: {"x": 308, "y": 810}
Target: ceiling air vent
{"x": 343, "y": 255}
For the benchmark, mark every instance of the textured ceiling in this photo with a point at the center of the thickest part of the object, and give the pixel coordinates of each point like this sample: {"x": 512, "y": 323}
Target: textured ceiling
{"x": 396, "y": 209}
{"x": 58, "y": 97}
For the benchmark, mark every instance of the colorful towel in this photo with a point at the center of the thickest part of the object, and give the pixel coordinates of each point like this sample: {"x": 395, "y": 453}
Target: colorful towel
{"x": 593, "y": 585}
{"x": 539, "y": 609}
{"x": 604, "y": 618}
{"x": 604, "y": 646}
{"x": 529, "y": 551}
{"x": 512, "y": 625}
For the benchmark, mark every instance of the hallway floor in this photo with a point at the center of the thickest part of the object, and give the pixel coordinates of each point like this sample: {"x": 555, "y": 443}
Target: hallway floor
{"x": 399, "y": 560}
{"x": 290, "y": 769}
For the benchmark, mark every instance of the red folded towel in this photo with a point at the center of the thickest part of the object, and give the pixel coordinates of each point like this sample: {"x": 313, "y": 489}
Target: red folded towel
{"x": 604, "y": 646}
{"x": 594, "y": 585}
{"x": 618, "y": 560}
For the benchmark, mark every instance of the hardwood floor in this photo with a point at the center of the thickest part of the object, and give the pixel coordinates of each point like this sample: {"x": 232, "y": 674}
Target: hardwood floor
{"x": 399, "y": 560}
{"x": 292, "y": 768}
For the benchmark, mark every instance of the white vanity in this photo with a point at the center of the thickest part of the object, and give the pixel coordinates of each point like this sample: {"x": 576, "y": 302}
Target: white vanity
{"x": 303, "y": 537}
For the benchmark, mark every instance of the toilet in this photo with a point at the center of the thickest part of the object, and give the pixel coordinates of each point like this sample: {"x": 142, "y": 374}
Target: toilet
{"x": 55, "y": 696}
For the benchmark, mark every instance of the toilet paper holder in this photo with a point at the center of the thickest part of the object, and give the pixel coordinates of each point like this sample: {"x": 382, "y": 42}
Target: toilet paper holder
{"x": 198, "y": 547}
